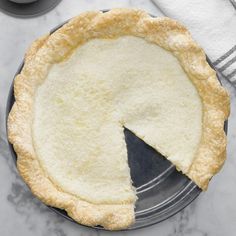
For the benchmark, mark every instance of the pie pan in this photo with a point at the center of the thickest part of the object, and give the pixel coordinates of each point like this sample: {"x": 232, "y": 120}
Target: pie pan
{"x": 162, "y": 191}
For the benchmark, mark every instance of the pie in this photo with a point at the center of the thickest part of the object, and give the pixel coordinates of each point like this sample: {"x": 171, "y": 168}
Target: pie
{"x": 99, "y": 73}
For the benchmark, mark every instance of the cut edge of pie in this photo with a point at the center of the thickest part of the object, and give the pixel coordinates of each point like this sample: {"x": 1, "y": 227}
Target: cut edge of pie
{"x": 54, "y": 48}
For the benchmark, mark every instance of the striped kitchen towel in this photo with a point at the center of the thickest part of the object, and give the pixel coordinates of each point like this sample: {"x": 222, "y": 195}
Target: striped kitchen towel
{"x": 213, "y": 25}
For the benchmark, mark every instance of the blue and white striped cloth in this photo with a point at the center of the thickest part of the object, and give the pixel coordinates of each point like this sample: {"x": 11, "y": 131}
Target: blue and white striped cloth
{"x": 226, "y": 64}
{"x": 213, "y": 25}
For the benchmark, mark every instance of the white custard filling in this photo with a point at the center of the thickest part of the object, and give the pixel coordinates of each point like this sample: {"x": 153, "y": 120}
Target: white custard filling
{"x": 85, "y": 101}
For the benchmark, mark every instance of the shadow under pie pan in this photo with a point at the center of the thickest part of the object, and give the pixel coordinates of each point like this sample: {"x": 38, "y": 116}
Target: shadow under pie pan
{"x": 162, "y": 191}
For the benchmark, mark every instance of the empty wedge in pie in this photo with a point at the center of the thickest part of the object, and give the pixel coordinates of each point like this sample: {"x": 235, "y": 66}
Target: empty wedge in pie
{"x": 101, "y": 72}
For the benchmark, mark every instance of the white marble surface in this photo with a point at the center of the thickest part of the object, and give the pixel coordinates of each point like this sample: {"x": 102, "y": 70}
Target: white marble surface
{"x": 213, "y": 213}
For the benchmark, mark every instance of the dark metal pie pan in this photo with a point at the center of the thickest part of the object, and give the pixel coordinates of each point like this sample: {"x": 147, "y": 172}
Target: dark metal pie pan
{"x": 162, "y": 190}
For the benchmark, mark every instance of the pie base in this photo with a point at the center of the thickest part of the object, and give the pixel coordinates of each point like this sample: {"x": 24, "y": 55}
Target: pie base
{"x": 52, "y": 49}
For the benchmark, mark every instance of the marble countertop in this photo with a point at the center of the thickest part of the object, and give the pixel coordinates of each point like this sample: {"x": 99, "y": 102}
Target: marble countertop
{"x": 213, "y": 213}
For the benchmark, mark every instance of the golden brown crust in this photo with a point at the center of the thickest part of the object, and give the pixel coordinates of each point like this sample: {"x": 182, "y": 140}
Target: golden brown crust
{"x": 51, "y": 49}
{"x": 113, "y": 217}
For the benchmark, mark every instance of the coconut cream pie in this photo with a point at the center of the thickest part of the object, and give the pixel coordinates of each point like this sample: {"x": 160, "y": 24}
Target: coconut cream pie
{"x": 99, "y": 73}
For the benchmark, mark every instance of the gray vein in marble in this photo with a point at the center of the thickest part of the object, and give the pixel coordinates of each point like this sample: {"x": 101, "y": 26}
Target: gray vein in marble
{"x": 184, "y": 226}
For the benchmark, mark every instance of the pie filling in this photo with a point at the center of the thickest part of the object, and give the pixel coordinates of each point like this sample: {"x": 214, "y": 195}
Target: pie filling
{"x": 86, "y": 100}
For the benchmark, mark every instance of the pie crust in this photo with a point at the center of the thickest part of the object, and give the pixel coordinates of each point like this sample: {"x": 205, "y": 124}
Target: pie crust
{"x": 56, "y": 47}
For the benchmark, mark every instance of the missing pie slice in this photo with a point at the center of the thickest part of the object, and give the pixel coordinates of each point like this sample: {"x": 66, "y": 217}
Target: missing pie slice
{"x": 99, "y": 73}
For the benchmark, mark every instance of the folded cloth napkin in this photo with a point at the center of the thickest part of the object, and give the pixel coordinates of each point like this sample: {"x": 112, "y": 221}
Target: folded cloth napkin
{"x": 212, "y": 24}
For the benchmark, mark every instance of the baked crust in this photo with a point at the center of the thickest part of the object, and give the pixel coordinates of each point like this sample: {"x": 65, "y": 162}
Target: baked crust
{"x": 54, "y": 48}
